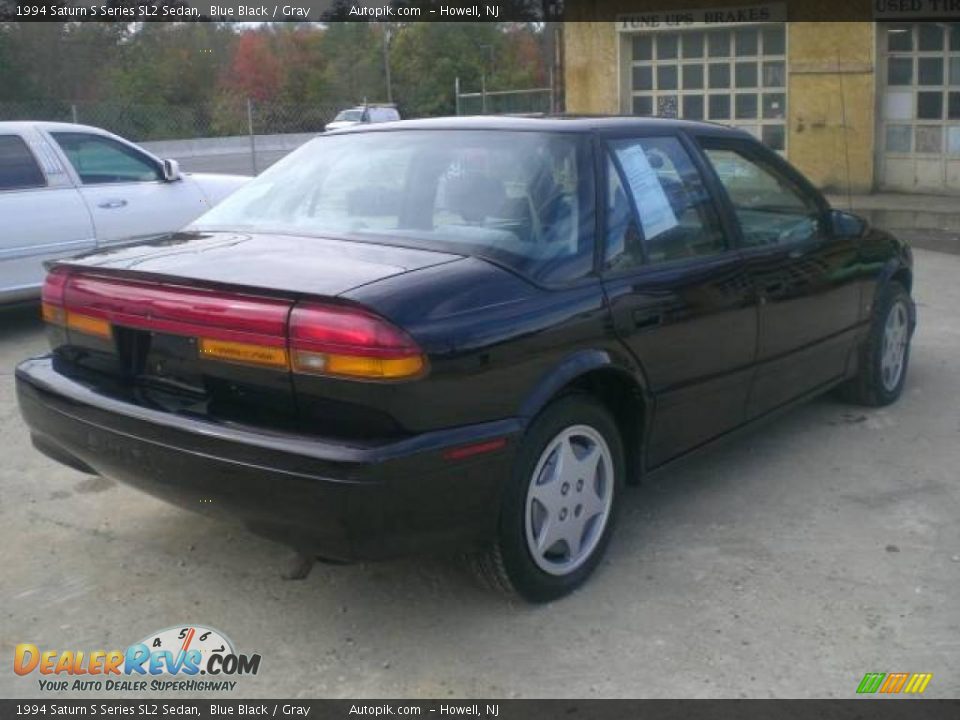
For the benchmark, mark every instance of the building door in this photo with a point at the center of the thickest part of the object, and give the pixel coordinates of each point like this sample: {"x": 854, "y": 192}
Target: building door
{"x": 730, "y": 75}
{"x": 919, "y": 134}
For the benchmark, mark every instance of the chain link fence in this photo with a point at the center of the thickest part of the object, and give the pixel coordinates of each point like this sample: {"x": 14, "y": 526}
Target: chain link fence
{"x": 232, "y": 135}
{"x": 219, "y": 118}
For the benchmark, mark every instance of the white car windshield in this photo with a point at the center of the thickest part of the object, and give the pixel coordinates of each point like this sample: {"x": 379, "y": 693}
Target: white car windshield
{"x": 349, "y": 116}
{"x": 523, "y": 199}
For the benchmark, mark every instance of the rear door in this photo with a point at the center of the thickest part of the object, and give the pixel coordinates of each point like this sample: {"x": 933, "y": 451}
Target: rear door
{"x": 805, "y": 278}
{"x": 43, "y": 215}
{"x": 125, "y": 190}
{"x": 678, "y": 291}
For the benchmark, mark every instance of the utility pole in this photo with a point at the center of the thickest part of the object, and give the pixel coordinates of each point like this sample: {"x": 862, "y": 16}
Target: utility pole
{"x": 386, "y": 60}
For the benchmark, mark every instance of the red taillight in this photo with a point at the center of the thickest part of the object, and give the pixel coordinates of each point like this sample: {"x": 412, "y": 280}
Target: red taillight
{"x": 233, "y": 327}
{"x": 52, "y": 296}
{"x": 350, "y": 342}
{"x": 181, "y": 311}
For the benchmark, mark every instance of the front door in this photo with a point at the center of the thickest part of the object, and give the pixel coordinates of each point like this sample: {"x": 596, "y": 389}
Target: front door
{"x": 679, "y": 294}
{"x": 806, "y": 280}
{"x": 125, "y": 191}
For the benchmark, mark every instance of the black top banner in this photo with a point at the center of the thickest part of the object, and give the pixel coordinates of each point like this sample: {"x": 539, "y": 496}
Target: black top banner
{"x": 635, "y": 12}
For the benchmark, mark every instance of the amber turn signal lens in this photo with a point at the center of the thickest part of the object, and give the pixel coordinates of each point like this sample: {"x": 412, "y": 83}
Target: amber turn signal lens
{"x": 358, "y": 366}
{"x": 52, "y": 314}
{"x": 246, "y": 353}
{"x": 97, "y": 327}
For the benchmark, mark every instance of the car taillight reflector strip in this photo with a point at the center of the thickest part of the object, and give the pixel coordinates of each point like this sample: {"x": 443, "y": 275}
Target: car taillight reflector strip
{"x": 245, "y": 353}
{"x": 311, "y": 338}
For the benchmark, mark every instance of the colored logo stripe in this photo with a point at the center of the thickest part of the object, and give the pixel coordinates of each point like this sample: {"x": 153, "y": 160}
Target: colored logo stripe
{"x": 918, "y": 683}
{"x": 893, "y": 683}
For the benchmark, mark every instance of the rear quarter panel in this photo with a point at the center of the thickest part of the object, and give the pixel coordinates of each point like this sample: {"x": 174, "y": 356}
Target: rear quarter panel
{"x": 492, "y": 339}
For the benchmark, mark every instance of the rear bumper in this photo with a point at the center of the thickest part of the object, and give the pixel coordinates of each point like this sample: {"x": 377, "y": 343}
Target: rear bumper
{"x": 340, "y": 501}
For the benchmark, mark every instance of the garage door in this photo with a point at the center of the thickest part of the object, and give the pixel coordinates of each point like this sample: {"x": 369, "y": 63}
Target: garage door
{"x": 919, "y": 106}
{"x": 735, "y": 76}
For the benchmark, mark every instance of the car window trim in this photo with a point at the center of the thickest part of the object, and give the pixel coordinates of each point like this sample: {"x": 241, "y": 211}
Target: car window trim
{"x": 33, "y": 158}
{"x": 755, "y": 152}
{"x": 731, "y": 247}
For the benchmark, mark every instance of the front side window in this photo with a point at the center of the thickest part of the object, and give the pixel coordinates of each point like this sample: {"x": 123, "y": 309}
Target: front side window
{"x": 676, "y": 216}
{"x": 523, "y": 199}
{"x": 770, "y": 208}
{"x": 101, "y": 160}
{"x": 18, "y": 168}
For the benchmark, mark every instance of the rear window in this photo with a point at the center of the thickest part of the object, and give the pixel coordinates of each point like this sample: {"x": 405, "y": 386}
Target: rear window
{"x": 522, "y": 199}
{"x": 18, "y": 168}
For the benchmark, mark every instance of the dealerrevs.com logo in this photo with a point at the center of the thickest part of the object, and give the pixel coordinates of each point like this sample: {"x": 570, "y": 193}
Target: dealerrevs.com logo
{"x": 169, "y": 660}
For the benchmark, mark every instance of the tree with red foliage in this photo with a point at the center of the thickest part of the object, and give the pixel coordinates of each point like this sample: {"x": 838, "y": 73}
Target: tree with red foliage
{"x": 255, "y": 71}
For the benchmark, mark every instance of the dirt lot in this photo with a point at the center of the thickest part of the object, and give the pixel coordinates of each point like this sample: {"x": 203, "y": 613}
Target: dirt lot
{"x": 786, "y": 564}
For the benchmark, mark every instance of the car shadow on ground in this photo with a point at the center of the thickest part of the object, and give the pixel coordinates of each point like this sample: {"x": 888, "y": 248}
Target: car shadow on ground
{"x": 244, "y": 563}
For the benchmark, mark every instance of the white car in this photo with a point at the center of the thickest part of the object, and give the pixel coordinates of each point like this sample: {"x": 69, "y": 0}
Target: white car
{"x": 363, "y": 114}
{"x": 66, "y": 189}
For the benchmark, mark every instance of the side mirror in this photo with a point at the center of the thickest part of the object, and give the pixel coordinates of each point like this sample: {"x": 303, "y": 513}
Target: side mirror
{"x": 171, "y": 171}
{"x": 846, "y": 225}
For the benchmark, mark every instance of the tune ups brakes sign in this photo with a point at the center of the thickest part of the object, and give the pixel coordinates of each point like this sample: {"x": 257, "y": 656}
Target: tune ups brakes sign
{"x": 182, "y": 658}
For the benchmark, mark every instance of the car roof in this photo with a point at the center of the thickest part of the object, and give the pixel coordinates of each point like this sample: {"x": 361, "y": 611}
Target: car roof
{"x": 550, "y": 123}
{"x": 22, "y": 125}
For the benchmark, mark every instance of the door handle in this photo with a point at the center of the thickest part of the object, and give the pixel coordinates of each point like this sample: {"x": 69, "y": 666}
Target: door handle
{"x": 643, "y": 319}
{"x": 112, "y": 204}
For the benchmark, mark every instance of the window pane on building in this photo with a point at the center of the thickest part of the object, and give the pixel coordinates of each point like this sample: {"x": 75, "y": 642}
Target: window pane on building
{"x": 692, "y": 77}
{"x": 666, "y": 77}
{"x": 667, "y": 46}
{"x": 643, "y": 47}
{"x": 693, "y": 45}
{"x": 643, "y": 105}
{"x": 898, "y": 106}
{"x": 899, "y": 71}
{"x": 774, "y": 105}
{"x": 930, "y": 105}
{"x": 774, "y": 74}
{"x": 930, "y": 71}
{"x": 774, "y": 41}
{"x": 693, "y": 107}
{"x": 719, "y": 75}
{"x": 953, "y": 106}
{"x": 667, "y": 106}
{"x": 774, "y": 136}
{"x": 747, "y": 42}
{"x": 898, "y": 138}
{"x": 718, "y": 43}
{"x": 955, "y": 71}
{"x": 643, "y": 77}
{"x": 899, "y": 38}
{"x": 719, "y": 107}
{"x": 746, "y": 74}
{"x": 930, "y": 36}
{"x": 953, "y": 141}
{"x": 929, "y": 139}
{"x": 746, "y": 106}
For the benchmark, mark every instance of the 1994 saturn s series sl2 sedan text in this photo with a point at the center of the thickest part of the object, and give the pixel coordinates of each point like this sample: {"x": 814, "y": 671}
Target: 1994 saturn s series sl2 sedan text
{"x": 468, "y": 333}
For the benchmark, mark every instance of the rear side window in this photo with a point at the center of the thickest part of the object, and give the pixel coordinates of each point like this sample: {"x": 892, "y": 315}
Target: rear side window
{"x": 676, "y": 214}
{"x": 101, "y": 160}
{"x": 18, "y": 168}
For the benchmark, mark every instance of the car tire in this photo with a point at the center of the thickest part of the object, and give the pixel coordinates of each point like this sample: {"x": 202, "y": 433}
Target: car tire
{"x": 886, "y": 353}
{"x": 550, "y": 506}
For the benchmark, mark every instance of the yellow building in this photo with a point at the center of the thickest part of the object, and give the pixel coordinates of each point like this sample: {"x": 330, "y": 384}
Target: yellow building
{"x": 869, "y": 105}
